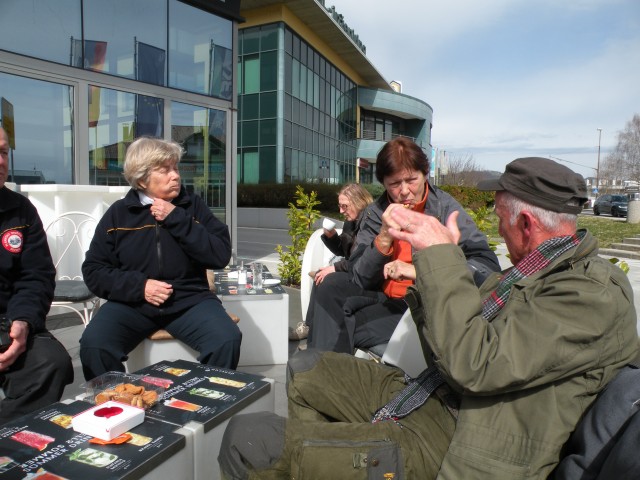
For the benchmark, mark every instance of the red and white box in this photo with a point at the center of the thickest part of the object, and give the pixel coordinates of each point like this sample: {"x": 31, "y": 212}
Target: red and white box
{"x": 108, "y": 420}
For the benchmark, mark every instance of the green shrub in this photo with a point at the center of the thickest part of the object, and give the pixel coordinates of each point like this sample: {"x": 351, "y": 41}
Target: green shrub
{"x": 278, "y": 195}
{"x": 301, "y": 217}
{"x": 375, "y": 189}
{"x": 470, "y": 197}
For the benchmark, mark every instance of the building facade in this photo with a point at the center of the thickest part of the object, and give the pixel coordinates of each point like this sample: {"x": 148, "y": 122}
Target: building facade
{"x": 312, "y": 107}
{"x": 81, "y": 79}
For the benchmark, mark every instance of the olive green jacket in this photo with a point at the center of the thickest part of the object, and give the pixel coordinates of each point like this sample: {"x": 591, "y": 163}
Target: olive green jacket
{"x": 527, "y": 375}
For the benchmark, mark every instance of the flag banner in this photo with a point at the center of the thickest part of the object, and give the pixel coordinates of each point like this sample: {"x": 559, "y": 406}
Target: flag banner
{"x": 221, "y": 75}
{"x": 95, "y": 54}
{"x": 94, "y": 106}
{"x": 150, "y": 64}
{"x": 75, "y": 58}
{"x": 149, "y": 116}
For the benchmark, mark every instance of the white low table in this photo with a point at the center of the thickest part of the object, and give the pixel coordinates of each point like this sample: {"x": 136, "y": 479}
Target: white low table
{"x": 264, "y": 319}
{"x": 205, "y": 427}
{"x": 160, "y": 451}
{"x": 207, "y": 442}
{"x": 264, "y": 322}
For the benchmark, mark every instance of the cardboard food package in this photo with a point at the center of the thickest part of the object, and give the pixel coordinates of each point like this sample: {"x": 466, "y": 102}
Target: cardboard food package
{"x": 108, "y": 420}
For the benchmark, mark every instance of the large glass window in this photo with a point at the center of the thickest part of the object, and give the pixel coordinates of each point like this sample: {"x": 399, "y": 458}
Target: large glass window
{"x": 248, "y": 166}
{"x": 268, "y": 71}
{"x": 124, "y": 45}
{"x": 116, "y": 118}
{"x": 40, "y": 28}
{"x": 125, "y": 38}
{"x": 202, "y": 133}
{"x": 200, "y": 51}
{"x": 251, "y": 75}
{"x": 42, "y": 117}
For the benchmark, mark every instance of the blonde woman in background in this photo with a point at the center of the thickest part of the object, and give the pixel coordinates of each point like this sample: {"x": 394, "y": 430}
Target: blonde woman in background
{"x": 352, "y": 201}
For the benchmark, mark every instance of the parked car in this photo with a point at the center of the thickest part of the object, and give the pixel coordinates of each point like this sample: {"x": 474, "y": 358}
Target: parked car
{"x": 615, "y": 205}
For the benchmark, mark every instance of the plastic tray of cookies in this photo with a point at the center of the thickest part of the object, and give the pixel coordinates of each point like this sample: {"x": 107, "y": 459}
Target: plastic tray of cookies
{"x": 127, "y": 388}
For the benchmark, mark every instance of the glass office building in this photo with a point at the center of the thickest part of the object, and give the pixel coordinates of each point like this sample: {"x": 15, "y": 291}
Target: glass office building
{"x": 312, "y": 108}
{"x": 316, "y": 114}
{"x": 81, "y": 79}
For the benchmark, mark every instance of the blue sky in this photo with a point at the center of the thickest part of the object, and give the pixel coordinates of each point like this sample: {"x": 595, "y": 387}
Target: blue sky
{"x": 511, "y": 78}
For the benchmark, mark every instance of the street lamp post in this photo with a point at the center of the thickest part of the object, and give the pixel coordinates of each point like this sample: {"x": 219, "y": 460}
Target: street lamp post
{"x": 598, "y": 165}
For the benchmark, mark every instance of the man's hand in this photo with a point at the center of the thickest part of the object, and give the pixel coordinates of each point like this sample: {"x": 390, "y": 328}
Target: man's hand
{"x": 19, "y": 334}
{"x": 423, "y": 231}
{"x": 157, "y": 292}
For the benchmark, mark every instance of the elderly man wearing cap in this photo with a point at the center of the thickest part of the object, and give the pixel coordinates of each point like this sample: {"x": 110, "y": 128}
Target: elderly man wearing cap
{"x": 513, "y": 365}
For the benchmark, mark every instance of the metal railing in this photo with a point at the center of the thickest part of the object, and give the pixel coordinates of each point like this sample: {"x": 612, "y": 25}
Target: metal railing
{"x": 382, "y": 136}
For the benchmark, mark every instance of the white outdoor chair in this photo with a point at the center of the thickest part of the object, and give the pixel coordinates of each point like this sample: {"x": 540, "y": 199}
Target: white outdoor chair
{"x": 315, "y": 256}
{"x": 404, "y": 349}
{"x": 69, "y": 236}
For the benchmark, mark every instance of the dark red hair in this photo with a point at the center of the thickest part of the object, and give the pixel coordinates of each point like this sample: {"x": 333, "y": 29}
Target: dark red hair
{"x": 398, "y": 155}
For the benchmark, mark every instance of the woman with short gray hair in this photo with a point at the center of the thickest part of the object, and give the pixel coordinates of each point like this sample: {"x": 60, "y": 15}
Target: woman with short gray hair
{"x": 148, "y": 259}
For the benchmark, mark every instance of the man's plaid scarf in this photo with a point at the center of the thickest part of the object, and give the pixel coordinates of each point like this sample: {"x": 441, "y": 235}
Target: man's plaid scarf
{"x": 540, "y": 258}
{"x": 418, "y": 390}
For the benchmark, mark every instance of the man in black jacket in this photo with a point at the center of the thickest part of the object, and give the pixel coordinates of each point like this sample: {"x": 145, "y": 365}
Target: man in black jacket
{"x": 34, "y": 366}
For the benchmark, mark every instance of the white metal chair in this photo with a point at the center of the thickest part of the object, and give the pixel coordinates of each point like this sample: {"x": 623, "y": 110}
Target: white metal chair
{"x": 404, "y": 349}
{"x": 69, "y": 236}
{"x": 315, "y": 256}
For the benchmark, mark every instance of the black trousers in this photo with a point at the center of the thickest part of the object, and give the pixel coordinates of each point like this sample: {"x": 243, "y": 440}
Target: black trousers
{"x": 343, "y": 316}
{"x": 37, "y": 378}
{"x": 118, "y": 328}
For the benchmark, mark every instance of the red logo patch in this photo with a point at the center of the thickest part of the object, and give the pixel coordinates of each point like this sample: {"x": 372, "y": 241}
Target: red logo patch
{"x": 12, "y": 241}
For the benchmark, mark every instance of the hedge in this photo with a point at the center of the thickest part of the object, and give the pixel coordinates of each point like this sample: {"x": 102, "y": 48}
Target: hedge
{"x": 279, "y": 195}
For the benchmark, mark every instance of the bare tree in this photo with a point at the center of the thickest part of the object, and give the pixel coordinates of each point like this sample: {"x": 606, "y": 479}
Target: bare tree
{"x": 462, "y": 170}
{"x": 624, "y": 161}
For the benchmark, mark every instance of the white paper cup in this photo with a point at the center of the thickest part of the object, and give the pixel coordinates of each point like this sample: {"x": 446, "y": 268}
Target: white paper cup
{"x": 328, "y": 224}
